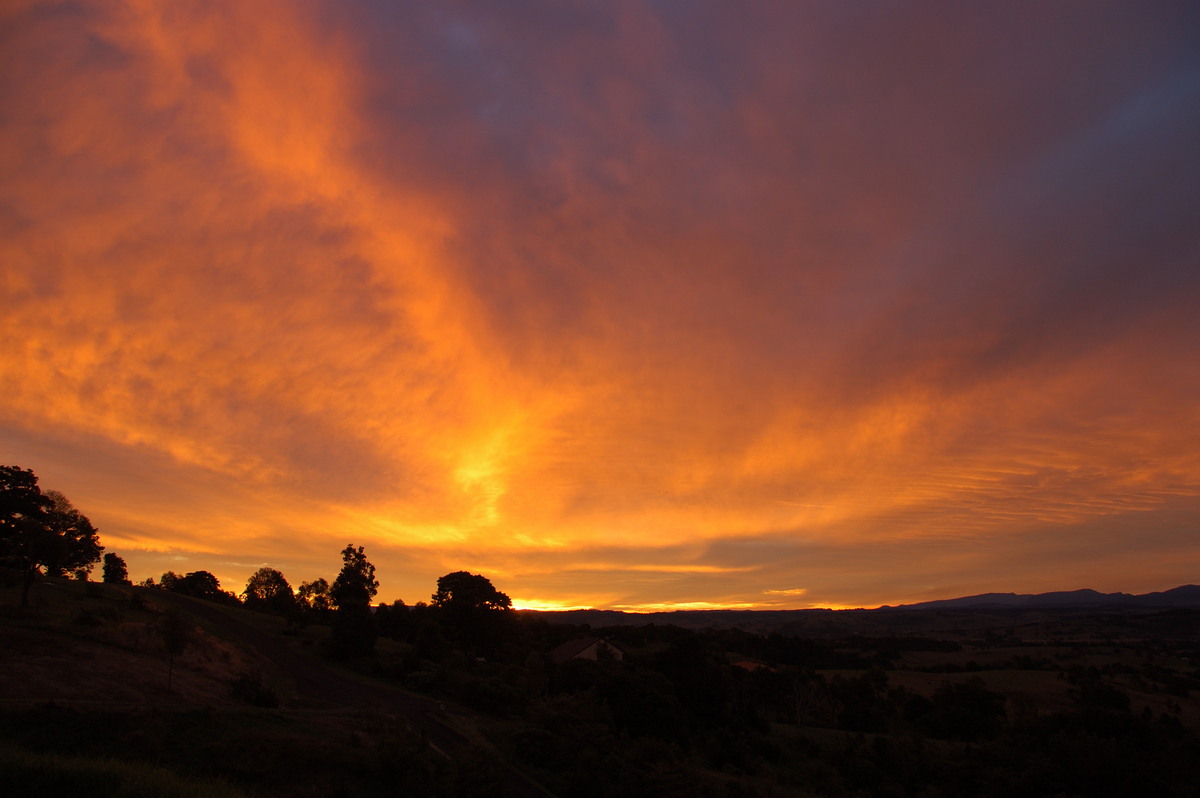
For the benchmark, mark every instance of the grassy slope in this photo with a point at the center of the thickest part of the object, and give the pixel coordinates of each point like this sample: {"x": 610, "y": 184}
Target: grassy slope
{"x": 93, "y": 644}
{"x": 83, "y": 701}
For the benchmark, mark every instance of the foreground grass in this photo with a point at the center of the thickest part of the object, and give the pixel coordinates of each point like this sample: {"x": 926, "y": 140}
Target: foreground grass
{"x": 218, "y": 752}
{"x": 35, "y": 774}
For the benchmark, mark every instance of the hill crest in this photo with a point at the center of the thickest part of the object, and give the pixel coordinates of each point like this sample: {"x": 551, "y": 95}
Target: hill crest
{"x": 913, "y": 618}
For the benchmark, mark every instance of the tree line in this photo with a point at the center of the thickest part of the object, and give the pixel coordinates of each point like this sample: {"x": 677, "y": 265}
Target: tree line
{"x": 42, "y": 533}
{"x": 467, "y": 601}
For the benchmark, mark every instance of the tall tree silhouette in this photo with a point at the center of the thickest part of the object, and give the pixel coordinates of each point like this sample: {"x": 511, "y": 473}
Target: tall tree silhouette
{"x": 356, "y": 584}
{"x": 354, "y": 630}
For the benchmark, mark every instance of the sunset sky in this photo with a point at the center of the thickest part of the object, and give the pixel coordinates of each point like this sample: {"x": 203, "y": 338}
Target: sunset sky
{"x": 632, "y": 305}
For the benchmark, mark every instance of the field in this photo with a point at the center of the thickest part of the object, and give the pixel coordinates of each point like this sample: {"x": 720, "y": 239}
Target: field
{"x": 832, "y": 704}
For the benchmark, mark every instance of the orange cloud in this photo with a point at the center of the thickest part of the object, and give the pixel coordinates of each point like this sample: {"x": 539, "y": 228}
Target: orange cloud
{"x": 592, "y": 309}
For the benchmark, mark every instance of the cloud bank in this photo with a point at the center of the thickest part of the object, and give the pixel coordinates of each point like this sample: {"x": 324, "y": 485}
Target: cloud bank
{"x": 630, "y": 304}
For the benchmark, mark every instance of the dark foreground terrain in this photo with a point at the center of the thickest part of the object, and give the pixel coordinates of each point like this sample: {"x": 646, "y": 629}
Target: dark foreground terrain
{"x": 935, "y": 702}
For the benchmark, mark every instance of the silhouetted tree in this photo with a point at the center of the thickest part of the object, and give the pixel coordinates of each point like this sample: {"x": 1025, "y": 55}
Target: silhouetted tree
{"x": 393, "y": 620}
{"x": 201, "y": 584}
{"x": 41, "y": 530}
{"x": 115, "y": 570}
{"x": 267, "y": 589}
{"x": 1095, "y": 696}
{"x": 862, "y": 699}
{"x": 76, "y": 545}
{"x": 198, "y": 584}
{"x": 24, "y": 533}
{"x": 473, "y": 612}
{"x": 354, "y": 630}
{"x": 315, "y": 596}
{"x": 464, "y": 592}
{"x": 963, "y": 711}
{"x": 356, "y": 584}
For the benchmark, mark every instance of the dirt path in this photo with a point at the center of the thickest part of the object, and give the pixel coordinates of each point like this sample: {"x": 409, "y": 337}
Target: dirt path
{"x": 322, "y": 684}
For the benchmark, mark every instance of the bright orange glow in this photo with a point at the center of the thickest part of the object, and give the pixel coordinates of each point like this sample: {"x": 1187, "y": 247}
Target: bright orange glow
{"x": 605, "y": 317}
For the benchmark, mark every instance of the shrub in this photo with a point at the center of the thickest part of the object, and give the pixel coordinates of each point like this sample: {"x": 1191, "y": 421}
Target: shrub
{"x": 249, "y": 687}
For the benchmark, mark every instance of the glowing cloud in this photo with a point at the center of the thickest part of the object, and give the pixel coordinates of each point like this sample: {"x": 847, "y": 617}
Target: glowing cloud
{"x": 639, "y": 305}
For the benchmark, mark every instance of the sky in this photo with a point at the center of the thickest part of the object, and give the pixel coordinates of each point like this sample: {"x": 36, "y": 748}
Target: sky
{"x": 633, "y": 305}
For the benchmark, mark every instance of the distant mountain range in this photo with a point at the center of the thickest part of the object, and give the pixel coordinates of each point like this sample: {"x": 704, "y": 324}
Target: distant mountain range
{"x": 968, "y": 612}
{"x": 1185, "y": 596}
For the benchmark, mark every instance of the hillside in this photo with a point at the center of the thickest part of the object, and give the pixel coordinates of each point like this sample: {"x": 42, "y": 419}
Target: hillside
{"x": 850, "y": 703}
{"x": 1183, "y": 597}
{"x": 84, "y": 679}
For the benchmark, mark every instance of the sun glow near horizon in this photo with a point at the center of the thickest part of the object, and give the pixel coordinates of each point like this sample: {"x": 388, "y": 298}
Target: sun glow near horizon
{"x": 591, "y": 311}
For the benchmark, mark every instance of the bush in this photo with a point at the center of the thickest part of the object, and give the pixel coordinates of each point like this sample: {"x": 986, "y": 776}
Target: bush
{"x": 963, "y": 711}
{"x": 249, "y": 687}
